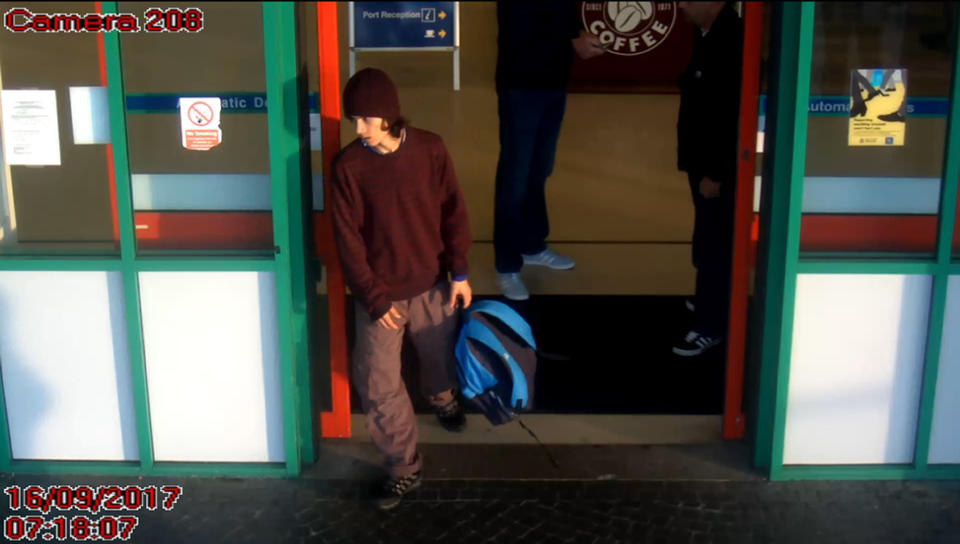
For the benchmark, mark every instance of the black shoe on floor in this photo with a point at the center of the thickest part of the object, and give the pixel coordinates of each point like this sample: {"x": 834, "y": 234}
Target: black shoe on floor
{"x": 451, "y": 416}
{"x": 695, "y": 344}
{"x": 390, "y": 494}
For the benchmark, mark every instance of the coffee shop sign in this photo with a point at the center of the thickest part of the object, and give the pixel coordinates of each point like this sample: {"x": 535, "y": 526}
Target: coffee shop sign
{"x": 630, "y": 28}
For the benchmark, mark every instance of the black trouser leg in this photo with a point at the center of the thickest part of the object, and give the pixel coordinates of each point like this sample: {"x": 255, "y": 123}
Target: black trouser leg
{"x": 715, "y": 217}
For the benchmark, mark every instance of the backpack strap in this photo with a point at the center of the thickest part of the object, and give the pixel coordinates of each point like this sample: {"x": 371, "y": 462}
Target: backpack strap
{"x": 474, "y": 378}
{"x": 477, "y": 331}
{"x": 508, "y": 316}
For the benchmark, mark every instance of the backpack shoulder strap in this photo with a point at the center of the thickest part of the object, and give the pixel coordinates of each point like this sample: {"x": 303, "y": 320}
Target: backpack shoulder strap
{"x": 508, "y": 316}
{"x": 474, "y": 378}
{"x": 479, "y": 332}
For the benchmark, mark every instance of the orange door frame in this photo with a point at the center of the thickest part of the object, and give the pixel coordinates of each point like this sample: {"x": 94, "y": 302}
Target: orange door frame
{"x": 734, "y": 426}
{"x": 336, "y": 422}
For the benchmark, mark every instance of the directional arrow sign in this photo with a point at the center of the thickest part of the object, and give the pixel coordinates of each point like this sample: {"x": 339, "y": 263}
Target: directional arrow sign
{"x": 404, "y": 25}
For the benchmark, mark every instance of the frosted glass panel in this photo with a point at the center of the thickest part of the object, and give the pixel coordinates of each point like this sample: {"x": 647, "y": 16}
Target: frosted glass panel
{"x": 213, "y": 366}
{"x": 945, "y": 434}
{"x": 856, "y": 368}
{"x": 66, "y": 369}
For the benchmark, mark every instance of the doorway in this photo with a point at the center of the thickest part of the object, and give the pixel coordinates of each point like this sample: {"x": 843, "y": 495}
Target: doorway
{"x": 626, "y": 218}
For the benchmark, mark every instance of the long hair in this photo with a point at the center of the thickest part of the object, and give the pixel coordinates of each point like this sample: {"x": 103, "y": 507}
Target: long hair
{"x": 396, "y": 127}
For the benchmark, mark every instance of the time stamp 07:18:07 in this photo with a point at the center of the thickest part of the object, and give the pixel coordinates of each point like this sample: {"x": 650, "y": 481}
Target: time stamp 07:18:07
{"x": 37, "y": 500}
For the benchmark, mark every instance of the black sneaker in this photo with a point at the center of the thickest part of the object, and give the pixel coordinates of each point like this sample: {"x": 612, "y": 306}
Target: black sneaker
{"x": 451, "y": 416}
{"x": 694, "y": 344}
{"x": 391, "y": 493}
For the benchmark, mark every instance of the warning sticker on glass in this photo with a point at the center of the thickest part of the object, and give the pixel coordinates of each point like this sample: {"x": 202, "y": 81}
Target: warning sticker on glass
{"x": 200, "y": 123}
{"x": 878, "y": 107}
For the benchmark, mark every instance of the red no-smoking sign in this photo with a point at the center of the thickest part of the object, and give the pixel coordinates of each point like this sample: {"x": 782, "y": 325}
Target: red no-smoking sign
{"x": 200, "y": 123}
{"x": 200, "y": 113}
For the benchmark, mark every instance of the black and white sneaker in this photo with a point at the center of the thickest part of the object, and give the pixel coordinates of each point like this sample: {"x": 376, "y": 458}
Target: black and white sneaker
{"x": 391, "y": 493}
{"x": 694, "y": 344}
{"x": 451, "y": 416}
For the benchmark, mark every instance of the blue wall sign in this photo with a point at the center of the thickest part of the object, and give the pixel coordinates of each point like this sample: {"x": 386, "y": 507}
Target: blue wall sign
{"x": 840, "y": 106}
{"x": 257, "y": 103}
{"x": 230, "y": 102}
{"x": 404, "y": 24}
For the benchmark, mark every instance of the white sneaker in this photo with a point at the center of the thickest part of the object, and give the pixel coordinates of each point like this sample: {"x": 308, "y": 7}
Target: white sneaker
{"x": 549, "y": 259}
{"x": 512, "y": 287}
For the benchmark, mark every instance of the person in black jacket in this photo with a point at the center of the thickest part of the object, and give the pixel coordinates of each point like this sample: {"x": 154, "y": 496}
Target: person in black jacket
{"x": 536, "y": 42}
{"x": 707, "y": 131}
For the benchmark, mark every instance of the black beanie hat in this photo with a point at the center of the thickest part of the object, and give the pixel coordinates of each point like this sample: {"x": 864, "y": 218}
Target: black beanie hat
{"x": 371, "y": 93}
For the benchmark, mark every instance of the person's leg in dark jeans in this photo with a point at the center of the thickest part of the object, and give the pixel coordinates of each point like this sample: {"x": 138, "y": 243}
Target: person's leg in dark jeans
{"x": 536, "y": 223}
{"x": 713, "y": 278}
{"x": 696, "y": 242}
{"x": 713, "y": 274}
{"x": 520, "y": 114}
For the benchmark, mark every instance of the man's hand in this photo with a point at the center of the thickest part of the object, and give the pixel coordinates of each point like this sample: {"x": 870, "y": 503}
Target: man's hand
{"x": 709, "y": 188}
{"x": 587, "y": 45}
{"x": 387, "y": 323}
{"x": 460, "y": 289}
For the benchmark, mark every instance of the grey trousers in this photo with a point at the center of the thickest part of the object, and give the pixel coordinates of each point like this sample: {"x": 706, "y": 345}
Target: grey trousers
{"x": 432, "y": 326}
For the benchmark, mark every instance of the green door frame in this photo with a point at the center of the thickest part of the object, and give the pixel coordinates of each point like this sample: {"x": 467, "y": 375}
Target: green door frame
{"x": 286, "y": 262}
{"x": 781, "y": 262}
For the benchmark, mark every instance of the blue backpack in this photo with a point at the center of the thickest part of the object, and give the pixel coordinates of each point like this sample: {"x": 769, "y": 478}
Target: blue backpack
{"x": 497, "y": 360}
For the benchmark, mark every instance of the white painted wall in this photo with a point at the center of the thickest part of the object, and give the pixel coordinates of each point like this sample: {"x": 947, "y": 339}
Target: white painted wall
{"x": 856, "y": 368}
{"x": 945, "y": 434}
{"x": 66, "y": 369}
{"x": 213, "y": 366}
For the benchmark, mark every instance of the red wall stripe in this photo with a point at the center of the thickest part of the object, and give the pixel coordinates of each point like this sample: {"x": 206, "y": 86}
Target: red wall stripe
{"x": 204, "y": 230}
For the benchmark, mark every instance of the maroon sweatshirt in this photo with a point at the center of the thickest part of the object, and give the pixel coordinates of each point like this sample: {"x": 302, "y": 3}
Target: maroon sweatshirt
{"x": 399, "y": 219}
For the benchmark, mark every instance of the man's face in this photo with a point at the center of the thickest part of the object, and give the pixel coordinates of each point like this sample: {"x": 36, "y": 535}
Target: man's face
{"x": 699, "y": 13}
{"x": 370, "y": 129}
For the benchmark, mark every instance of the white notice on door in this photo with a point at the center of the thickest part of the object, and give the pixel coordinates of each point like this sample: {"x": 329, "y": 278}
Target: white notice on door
{"x": 30, "y": 132}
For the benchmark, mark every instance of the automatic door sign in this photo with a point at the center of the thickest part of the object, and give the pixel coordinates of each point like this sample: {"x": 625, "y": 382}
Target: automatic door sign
{"x": 200, "y": 123}
{"x": 878, "y": 107}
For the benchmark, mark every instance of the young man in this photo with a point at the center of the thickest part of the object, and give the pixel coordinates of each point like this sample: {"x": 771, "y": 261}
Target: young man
{"x": 536, "y": 42}
{"x": 402, "y": 232}
{"x": 707, "y": 151}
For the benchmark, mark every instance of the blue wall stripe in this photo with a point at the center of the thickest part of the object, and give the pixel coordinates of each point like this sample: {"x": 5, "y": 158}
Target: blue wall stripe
{"x": 838, "y": 105}
{"x": 230, "y": 102}
{"x": 256, "y": 103}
